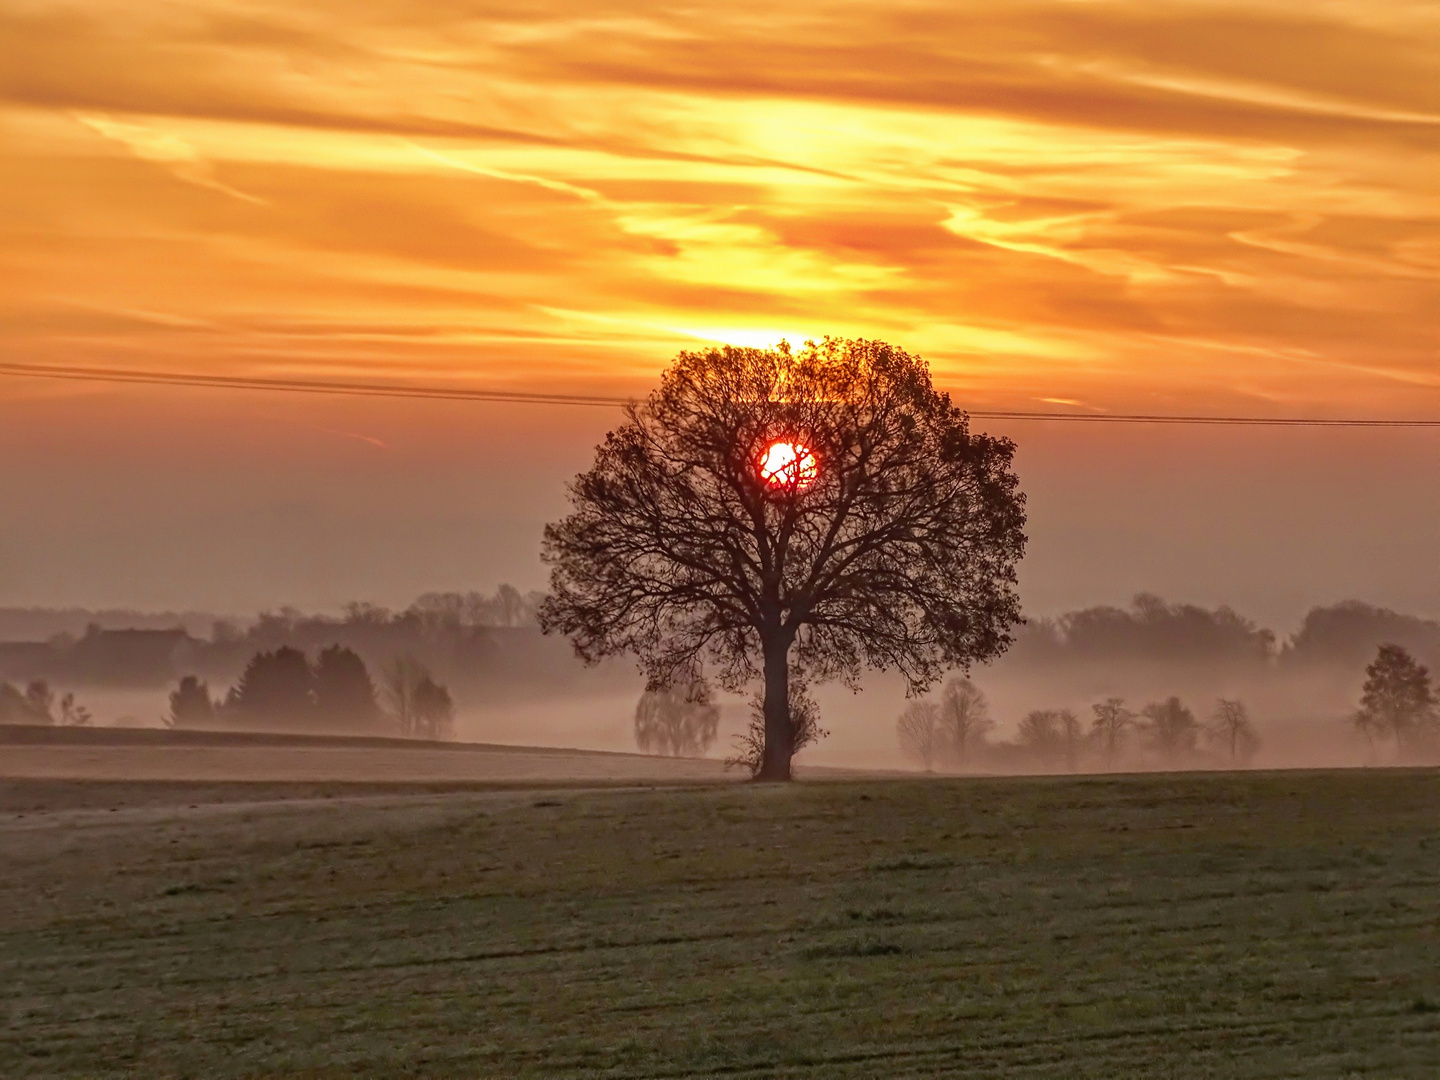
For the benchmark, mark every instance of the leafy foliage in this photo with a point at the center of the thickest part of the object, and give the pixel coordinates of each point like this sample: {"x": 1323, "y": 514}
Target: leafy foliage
{"x": 1397, "y": 702}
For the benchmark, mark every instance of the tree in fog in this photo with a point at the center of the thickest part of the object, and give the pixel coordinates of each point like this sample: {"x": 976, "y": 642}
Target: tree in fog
{"x": 1108, "y": 729}
{"x": 420, "y": 707}
{"x": 824, "y": 508}
{"x": 1231, "y": 730}
{"x": 344, "y": 693}
{"x": 434, "y": 710}
{"x": 1042, "y": 736}
{"x": 276, "y": 689}
{"x": 1170, "y": 728}
{"x": 190, "y": 705}
{"x": 920, "y": 733}
{"x": 964, "y": 719}
{"x": 1397, "y": 701}
{"x": 679, "y": 720}
{"x": 72, "y": 713}
{"x": 33, "y": 705}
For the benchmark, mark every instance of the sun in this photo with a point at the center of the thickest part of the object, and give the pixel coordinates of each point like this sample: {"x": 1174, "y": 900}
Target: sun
{"x": 788, "y": 465}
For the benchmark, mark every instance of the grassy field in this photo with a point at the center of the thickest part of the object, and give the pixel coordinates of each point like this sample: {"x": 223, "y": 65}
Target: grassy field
{"x": 1280, "y": 925}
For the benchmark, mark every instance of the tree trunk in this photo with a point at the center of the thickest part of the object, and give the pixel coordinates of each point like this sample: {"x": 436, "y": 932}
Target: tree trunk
{"x": 775, "y": 761}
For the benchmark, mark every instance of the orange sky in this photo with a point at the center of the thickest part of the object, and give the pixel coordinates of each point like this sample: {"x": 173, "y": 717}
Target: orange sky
{"x": 1070, "y": 204}
{"x": 1115, "y": 204}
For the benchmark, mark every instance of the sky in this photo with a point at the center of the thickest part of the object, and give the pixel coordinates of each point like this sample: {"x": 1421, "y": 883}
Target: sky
{"x": 1071, "y": 205}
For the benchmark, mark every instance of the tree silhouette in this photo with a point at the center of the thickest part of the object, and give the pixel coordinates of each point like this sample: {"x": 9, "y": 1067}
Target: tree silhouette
{"x": 1172, "y": 729}
{"x": 921, "y": 736}
{"x": 1042, "y": 734}
{"x": 1107, "y": 730}
{"x": 73, "y": 714}
{"x": 190, "y": 705}
{"x": 434, "y": 710}
{"x": 419, "y": 706}
{"x": 680, "y": 719}
{"x": 32, "y": 706}
{"x": 1397, "y": 700}
{"x": 344, "y": 693}
{"x": 889, "y": 542}
{"x": 277, "y": 689}
{"x": 1230, "y": 729}
{"x": 964, "y": 719}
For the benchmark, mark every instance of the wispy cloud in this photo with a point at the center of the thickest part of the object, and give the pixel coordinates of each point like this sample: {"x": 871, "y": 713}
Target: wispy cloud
{"x": 1099, "y": 203}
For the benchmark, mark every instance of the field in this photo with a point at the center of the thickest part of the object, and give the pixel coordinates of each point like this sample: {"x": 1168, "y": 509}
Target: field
{"x": 1183, "y": 926}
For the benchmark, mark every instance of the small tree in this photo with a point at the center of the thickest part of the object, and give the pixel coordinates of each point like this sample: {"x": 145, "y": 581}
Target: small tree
{"x": 420, "y": 707}
{"x": 1397, "y": 701}
{"x": 434, "y": 710}
{"x": 1042, "y": 736}
{"x": 73, "y": 714}
{"x": 804, "y": 716}
{"x": 33, "y": 706}
{"x": 344, "y": 693}
{"x": 1171, "y": 728}
{"x": 190, "y": 705}
{"x": 40, "y": 702}
{"x": 1231, "y": 730}
{"x": 680, "y": 720}
{"x": 825, "y": 507}
{"x": 277, "y": 689}
{"x": 964, "y": 719}
{"x": 1072, "y": 734}
{"x": 921, "y": 735}
{"x": 1112, "y": 721}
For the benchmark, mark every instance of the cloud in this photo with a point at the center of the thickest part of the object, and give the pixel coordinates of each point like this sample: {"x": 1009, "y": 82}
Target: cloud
{"x": 164, "y": 148}
{"x": 1096, "y": 202}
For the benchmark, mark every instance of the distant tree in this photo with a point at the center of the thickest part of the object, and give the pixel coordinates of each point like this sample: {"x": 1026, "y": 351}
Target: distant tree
{"x": 40, "y": 702}
{"x": 1397, "y": 701}
{"x": 72, "y": 714}
{"x": 921, "y": 735}
{"x": 1171, "y": 729}
{"x": 1043, "y": 736}
{"x": 190, "y": 705}
{"x": 420, "y": 707}
{"x": 277, "y": 689}
{"x": 1072, "y": 735}
{"x": 344, "y": 692}
{"x": 398, "y": 681}
{"x": 964, "y": 719}
{"x": 680, "y": 720}
{"x": 434, "y": 710}
{"x": 32, "y": 706}
{"x": 1231, "y": 730}
{"x": 825, "y": 507}
{"x": 1107, "y": 730}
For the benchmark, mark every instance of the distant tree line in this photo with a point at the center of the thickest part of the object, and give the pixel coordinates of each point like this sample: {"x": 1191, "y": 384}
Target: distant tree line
{"x": 954, "y": 732}
{"x": 1399, "y": 717}
{"x": 281, "y": 689}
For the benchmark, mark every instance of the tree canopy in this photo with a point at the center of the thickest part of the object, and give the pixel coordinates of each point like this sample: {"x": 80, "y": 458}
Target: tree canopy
{"x": 889, "y": 540}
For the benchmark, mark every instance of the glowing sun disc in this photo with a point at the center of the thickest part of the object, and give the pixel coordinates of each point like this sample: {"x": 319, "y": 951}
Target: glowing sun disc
{"x": 788, "y": 465}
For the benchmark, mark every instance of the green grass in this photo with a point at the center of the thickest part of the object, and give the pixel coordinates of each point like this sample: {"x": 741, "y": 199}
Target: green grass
{"x": 1281, "y": 925}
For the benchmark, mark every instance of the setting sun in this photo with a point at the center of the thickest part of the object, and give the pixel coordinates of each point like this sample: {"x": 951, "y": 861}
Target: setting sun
{"x": 788, "y": 465}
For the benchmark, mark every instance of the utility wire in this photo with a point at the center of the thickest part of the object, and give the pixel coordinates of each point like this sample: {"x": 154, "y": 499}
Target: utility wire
{"x": 461, "y": 393}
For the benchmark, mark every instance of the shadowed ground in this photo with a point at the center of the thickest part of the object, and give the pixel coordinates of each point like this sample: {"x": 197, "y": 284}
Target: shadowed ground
{"x": 1260, "y": 925}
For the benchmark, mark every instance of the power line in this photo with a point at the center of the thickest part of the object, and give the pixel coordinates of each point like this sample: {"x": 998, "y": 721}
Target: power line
{"x": 536, "y": 397}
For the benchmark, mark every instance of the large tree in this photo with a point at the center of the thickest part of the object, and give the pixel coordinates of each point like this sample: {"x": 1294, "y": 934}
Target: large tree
{"x": 823, "y": 510}
{"x": 1398, "y": 700}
